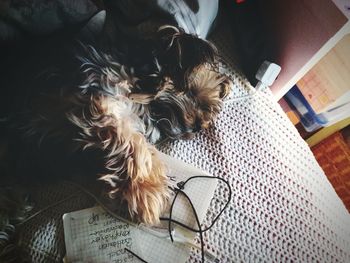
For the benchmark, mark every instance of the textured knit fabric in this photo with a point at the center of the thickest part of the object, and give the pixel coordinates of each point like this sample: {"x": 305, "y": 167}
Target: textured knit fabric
{"x": 283, "y": 207}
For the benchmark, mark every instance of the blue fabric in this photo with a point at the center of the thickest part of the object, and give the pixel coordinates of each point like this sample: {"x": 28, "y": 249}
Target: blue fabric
{"x": 140, "y": 17}
{"x": 194, "y": 16}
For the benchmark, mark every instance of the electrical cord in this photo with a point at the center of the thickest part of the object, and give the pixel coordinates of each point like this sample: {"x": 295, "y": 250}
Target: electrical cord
{"x": 181, "y": 187}
{"x": 179, "y": 190}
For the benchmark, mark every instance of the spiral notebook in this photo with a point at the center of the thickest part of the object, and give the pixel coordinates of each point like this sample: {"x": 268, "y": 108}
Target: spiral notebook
{"x": 93, "y": 235}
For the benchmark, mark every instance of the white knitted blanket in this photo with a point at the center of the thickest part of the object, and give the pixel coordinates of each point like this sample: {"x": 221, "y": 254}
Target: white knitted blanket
{"x": 283, "y": 207}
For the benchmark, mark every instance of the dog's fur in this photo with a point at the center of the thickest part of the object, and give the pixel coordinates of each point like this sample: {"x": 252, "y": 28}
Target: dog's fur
{"x": 119, "y": 111}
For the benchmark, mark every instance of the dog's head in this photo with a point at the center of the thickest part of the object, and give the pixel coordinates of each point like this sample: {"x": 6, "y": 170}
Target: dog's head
{"x": 182, "y": 89}
{"x": 189, "y": 92}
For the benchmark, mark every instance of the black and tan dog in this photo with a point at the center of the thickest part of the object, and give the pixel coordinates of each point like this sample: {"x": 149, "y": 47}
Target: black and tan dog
{"x": 99, "y": 111}
{"x": 120, "y": 114}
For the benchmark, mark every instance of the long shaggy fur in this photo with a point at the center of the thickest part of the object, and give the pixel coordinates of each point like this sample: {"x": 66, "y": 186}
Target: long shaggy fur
{"x": 120, "y": 111}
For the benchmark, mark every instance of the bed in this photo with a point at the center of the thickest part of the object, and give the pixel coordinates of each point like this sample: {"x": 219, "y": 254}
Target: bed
{"x": 283, "y": 208}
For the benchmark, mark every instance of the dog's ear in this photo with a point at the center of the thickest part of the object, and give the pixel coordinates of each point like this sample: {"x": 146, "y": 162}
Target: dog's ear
{"x": 180, "y": 53}
{"x": 209, "y": 87}
{"x": 226, "y": 86}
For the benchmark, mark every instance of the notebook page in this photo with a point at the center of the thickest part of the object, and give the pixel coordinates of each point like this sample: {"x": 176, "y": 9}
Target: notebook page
{"x": 93, "y": 235}
{"x": 162, "y": 250}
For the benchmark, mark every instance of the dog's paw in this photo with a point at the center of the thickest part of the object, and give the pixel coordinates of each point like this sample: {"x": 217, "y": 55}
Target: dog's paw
{"x": 145, "y": 187}
{"x": 147, "y": 193}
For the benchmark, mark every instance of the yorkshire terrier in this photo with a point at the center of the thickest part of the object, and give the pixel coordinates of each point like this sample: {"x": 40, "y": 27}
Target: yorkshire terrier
{"x": 121, "y": 110}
